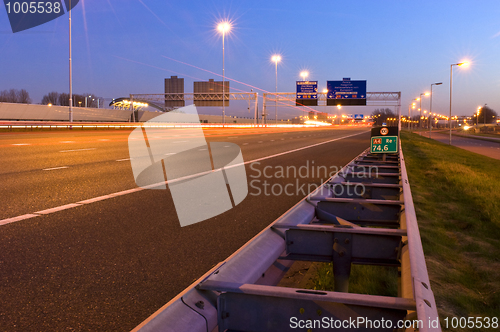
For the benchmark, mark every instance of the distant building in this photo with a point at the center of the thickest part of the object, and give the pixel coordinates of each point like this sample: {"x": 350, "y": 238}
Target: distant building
{"x": 204, "y": 93}
{"x": 174, "y": 85}
{"x": 319, "y": 116}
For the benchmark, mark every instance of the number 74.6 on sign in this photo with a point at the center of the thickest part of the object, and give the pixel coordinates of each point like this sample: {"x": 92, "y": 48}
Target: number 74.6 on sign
{"x": 384, "y": 144}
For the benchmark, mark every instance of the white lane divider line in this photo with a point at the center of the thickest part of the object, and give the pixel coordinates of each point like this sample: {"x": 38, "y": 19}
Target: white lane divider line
{"x": 18, "y": 218}
{"x": 202, "y": 149}
{"x": 57, "y": 208}
{"x": 54, "y": 168}
{"x": 123, "y": 159}
{"x": 245, "y": 143}
{"x": 103, "y": 139}
{"x": 137, "y": 189}
{"x": 78, "y": 150}
{"x": 67, "y": 142}
{"x": 20, "y": 144}
{"x": 169, "y": 154}
{"x": 259, "y": 142}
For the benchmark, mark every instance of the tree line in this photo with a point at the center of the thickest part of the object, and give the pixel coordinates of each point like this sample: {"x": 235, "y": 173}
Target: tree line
{"x": 15, "y": 96}
{"x": 55, "y": 98}
{"x": 380, "y": 116}
{"x": 79, "y": 100}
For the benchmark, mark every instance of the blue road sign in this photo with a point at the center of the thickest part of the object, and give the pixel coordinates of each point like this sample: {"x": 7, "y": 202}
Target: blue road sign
{"x": 307, "y": 89}
{"x": 346, "y": 89}
{"x": 358, "y": 116}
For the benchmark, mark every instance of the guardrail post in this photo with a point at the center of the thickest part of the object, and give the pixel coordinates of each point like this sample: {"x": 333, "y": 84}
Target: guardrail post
{"x": 342, "y": 253}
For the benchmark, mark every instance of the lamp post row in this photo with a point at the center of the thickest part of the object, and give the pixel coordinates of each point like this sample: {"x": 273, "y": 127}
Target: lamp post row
{"x": 430, "y": 111}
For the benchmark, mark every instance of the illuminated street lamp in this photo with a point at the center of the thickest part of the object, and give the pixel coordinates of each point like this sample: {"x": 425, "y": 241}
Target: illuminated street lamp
{"x": 304, "y": 74}
{"x": 276, "y": 58}
{"x": 460, "y": 64}
{"x": 223, "y": 27}
{"x": 420, "y": 109}
{"x": 86, "y": 100}
{"x": 410, "y": 107}
{"x": 325, "y": 91}
{"x": 430, "y": 110}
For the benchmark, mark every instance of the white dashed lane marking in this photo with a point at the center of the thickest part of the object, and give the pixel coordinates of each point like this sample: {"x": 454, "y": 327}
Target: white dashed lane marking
{"x": 54, "y": 168}
{"x": 78, "y": 150}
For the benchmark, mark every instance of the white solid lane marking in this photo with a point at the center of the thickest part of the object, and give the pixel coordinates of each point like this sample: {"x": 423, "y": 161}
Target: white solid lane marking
{"x": 67, "y": 142}
{"x": 259, "y": 142}
{"x": 123, "y": 159}
{"x": 129, "y": 191}
{"x": 54, "y": 168}
{"x": 78, "y": 150}
{"x": 58, "y": 208}
{"x": 18, "y": 218}
{"x": 103, "y": 139}
{"x": 202, "y": 149}
{"x": 20, "y": 144}
{"x": 245, "y": 143}
{"x": 169, "y": 154}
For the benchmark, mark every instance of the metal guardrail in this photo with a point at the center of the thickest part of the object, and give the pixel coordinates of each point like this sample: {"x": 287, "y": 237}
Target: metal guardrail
{"x": 240, "y": 293}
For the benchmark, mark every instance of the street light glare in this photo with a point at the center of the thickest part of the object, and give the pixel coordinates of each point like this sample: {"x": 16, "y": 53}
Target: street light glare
{"x": 224, "y": 27}
{"x": 304, "y": 74}
{"x": 276, "y": 58}
{"x": 325, "y": 90}
{"x": 461, "y": 64}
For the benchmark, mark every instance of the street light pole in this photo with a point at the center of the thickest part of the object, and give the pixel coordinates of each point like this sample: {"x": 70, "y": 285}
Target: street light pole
{"x": 276, "y": 59}
{"x": 223, "y": 27}
{"x": 223, "y": 83}
{"x": 484, "y": 116}
{"x": 430, "y": 111}
{"x": 70, "y": 70}
{"x": 451, "y": 89}
{"x": 420, "y": 109}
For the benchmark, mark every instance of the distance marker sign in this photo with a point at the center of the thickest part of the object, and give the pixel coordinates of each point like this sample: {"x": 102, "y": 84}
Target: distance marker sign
{"x": 384, "y": 144}
{"x": 384, "y": 140}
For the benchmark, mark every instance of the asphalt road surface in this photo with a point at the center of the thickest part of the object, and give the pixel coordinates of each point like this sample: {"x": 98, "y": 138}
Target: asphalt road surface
{"x": 83, "y": 249}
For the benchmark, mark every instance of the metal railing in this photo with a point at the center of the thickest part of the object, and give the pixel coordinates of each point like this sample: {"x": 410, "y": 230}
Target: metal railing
{"x": 376, "y": 226}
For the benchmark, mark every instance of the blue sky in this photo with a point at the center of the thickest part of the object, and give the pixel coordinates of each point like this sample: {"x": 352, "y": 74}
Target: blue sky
{"x": 130, "y": 46}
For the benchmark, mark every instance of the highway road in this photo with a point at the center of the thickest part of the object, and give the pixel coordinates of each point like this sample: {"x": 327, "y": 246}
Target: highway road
{"x": 83, "y": 249}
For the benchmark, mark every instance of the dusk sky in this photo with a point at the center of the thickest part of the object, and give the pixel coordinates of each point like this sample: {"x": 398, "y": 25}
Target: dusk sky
{"x": 130, "y": 46}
